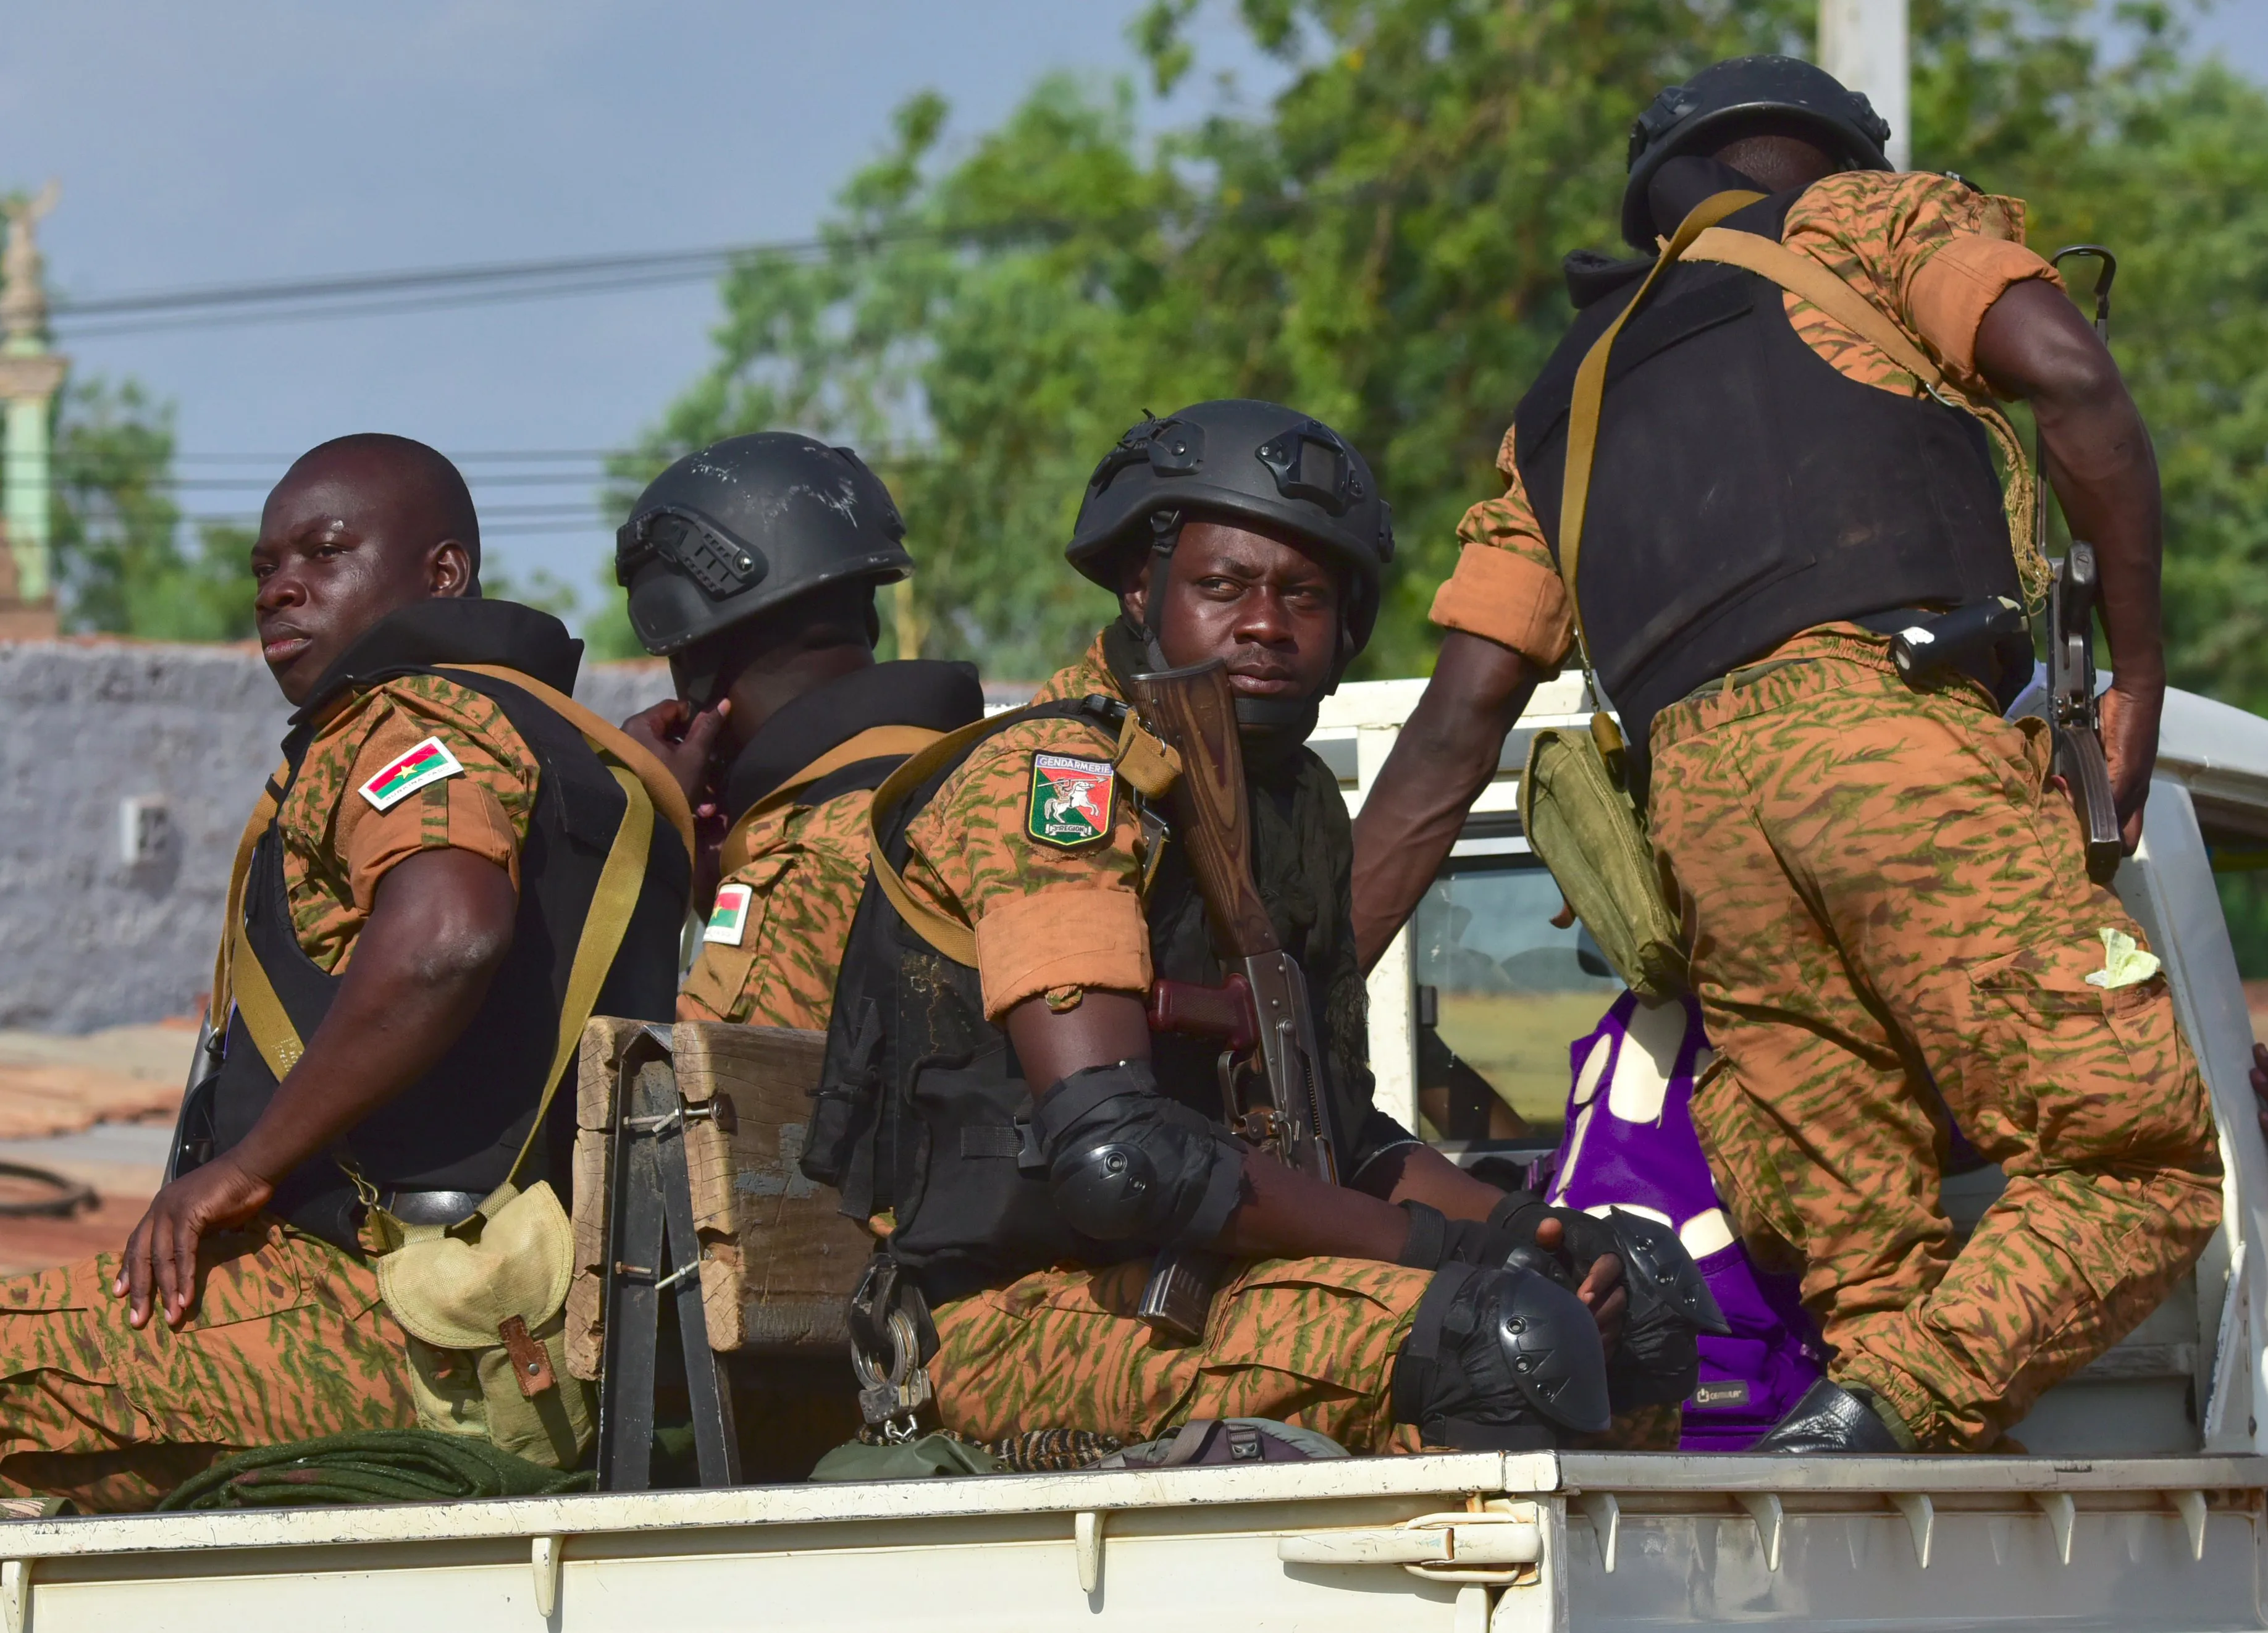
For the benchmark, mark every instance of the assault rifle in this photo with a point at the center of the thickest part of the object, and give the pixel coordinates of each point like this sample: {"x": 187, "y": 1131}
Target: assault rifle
{"x": 1271, "y": 1070}
{"x": 2073, "y": 713}
{"x": 1271, "y": 1089}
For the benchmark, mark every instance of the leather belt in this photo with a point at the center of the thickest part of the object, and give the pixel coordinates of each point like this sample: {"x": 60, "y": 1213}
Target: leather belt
{"x": 430, "y": 1207}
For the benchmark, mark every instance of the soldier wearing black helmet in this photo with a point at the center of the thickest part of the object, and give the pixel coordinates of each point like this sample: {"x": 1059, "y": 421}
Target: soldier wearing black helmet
{"x": 1759, "y": 454}
{"x": 991, "y": 1054}
{"x": 752, "y": 566}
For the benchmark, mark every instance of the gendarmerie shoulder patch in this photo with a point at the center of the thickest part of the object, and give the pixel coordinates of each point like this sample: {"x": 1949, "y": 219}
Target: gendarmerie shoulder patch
{"x": 1071, "y": 799}
{"x": 429, "y": 762}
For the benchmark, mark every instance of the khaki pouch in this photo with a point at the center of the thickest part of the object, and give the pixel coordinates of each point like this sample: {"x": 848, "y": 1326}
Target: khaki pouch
{"x": 1584, "y": 825}
{"x": 483, "y": 1302}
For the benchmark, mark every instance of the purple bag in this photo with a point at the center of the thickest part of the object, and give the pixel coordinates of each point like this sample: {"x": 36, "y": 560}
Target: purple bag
{"x": 1629, "y": 1144}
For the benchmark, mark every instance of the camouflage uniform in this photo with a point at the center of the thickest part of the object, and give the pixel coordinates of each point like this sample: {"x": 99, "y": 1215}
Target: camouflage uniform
{"x": 804, "y": 867}
{"x": 1890, "y": 916}
{"x": 1308, "y": 1341}
{"x": 288, "y": 1339}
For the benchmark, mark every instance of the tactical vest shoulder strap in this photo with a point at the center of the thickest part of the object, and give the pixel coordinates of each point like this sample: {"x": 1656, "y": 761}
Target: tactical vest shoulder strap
{"x": 240, "y": 874}
{"x": 1145, "y": 760}
{"x": 241, "y": 980}
{"x": 1802, "y": 276}
{"x": 874, "y": 743}
{"x": 667, "y": 796}
{"x": 1590, "y": 392}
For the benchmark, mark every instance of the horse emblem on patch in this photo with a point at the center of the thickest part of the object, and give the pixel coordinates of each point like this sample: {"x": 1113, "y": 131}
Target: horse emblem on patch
{"x": 1071, "y": 799}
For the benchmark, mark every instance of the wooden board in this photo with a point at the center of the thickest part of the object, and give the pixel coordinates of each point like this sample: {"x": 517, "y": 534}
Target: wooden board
{"x": 778, "y": 1259}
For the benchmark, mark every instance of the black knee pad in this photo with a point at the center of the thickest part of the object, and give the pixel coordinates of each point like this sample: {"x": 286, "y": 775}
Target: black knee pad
{"x": 1128, "y": 1164}
{"x": 1501, "y": 1360}
{"x": 1659, "y": 1361}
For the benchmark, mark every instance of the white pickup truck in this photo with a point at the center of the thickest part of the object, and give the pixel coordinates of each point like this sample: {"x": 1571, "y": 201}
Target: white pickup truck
{"x": 2140, "y": 1506}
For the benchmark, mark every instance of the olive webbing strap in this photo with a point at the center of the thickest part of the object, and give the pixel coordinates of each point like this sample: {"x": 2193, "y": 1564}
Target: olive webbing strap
{"x": 949, "y": 936}
{"x": 1805, "y": 278}
{"x": 621, "y": 879}
{"x": 1143, "y": 758}
{"x": 239, "y": 873}
{"x": 1590, "y": 391}
{"x": 607, "y": 738}
{"x": 874, "y": 743}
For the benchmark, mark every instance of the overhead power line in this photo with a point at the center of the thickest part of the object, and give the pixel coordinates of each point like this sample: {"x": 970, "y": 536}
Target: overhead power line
{"x": 429, "y": 288}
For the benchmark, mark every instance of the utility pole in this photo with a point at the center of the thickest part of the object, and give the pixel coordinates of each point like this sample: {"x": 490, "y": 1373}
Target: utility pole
{"x": 1864, "y": 44}
{"x": 30, "y": 376}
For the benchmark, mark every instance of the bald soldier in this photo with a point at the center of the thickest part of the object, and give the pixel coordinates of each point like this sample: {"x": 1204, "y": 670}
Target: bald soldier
{"x": 415, "y": 881}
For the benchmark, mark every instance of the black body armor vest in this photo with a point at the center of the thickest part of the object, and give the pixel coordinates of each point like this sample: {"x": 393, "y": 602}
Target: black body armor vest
{"x": 923, "y": 1108}
{"x": 926, "y": 692}
{"x": 459, "y": 1127}
{"x": 1745, "y": 489}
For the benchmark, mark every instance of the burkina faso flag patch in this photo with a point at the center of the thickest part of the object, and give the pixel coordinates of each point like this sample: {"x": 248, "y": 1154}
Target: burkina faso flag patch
{"x": 1071, "y": 799}
{"x": 428, "y": 763}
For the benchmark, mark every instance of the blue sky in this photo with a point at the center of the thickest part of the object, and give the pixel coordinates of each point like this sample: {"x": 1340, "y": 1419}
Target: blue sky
{"x": 260, "y": 139}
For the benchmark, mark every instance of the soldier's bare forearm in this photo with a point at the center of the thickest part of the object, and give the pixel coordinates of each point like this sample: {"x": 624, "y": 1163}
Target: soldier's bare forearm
{"x": 439, "y": 927}
{"x": 2034, "y": 344}
{"x": 1420, "y": 1173}
{"x": 1445, "y": 756}
{"x": 1286, "y": 1214}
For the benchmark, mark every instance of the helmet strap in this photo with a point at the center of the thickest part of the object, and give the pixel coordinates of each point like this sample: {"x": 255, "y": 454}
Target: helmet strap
{"x": 1165, "y": 535}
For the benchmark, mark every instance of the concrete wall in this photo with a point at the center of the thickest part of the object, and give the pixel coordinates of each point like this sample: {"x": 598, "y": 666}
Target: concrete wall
{"x": 88, "y": 938}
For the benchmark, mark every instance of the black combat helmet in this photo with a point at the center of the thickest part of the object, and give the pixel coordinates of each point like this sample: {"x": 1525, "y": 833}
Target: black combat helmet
{"x": 748, "y": 524}
{"x": 1237, "y": 458}
{"x": 1706, "y": 113}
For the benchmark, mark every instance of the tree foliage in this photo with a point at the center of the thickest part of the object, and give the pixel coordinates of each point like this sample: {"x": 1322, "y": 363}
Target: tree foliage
{"x": 121, "y": 561}
{"x": 1380, "y": 246}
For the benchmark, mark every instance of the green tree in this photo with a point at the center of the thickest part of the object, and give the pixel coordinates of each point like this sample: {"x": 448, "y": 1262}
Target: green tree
{"x": 121, "y": 563}
{"x": 1381, "y": 245}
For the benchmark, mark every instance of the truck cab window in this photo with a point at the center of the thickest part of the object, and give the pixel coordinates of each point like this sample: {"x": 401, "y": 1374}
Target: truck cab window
{"x": 1501, "y": 993}
{"x": 2240, "y": 875}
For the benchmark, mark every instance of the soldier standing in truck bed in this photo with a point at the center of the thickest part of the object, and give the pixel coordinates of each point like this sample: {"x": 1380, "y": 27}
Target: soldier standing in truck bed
{"x": 992, "y": 1085}
{"x": 752, "y": 565}
{"x": 437, "y": 849}
{"x": 1886, "y": 901}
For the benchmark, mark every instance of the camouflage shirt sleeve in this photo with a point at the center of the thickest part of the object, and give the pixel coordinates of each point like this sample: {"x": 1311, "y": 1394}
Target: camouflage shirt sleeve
{"x": 1052, "y": 916}
{"x": 346, "y": 822}
{"x": 774, "y": 942}
{"x": 1931, "y": 252}
{"x": 1506, "y": 587}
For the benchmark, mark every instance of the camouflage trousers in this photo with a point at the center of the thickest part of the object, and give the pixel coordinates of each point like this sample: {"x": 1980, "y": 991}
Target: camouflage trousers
{"x": 289, "y": 1342}
{"x": 1310, "y": 1341}
{"x": 1890, "y": 918}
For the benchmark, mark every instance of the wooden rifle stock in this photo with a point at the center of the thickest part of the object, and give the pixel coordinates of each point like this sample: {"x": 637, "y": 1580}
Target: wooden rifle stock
{"x": 1194, "y": 709}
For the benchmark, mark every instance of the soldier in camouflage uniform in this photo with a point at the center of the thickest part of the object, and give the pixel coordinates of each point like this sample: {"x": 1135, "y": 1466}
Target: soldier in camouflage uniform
{"x": 994, "y": 1088}
{"x": 783, "y": 724}
{"x": 406, "y": 804}
{"x": 1888, "y": 915}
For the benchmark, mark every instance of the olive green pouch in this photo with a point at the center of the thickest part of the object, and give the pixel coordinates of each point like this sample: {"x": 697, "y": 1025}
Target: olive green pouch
{"x": 484, "y": 1304}
{"x": 1583, "y": 823}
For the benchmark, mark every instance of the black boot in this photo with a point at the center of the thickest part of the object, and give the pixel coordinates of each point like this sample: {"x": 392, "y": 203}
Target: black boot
{"x": 1830, "y": 1418}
